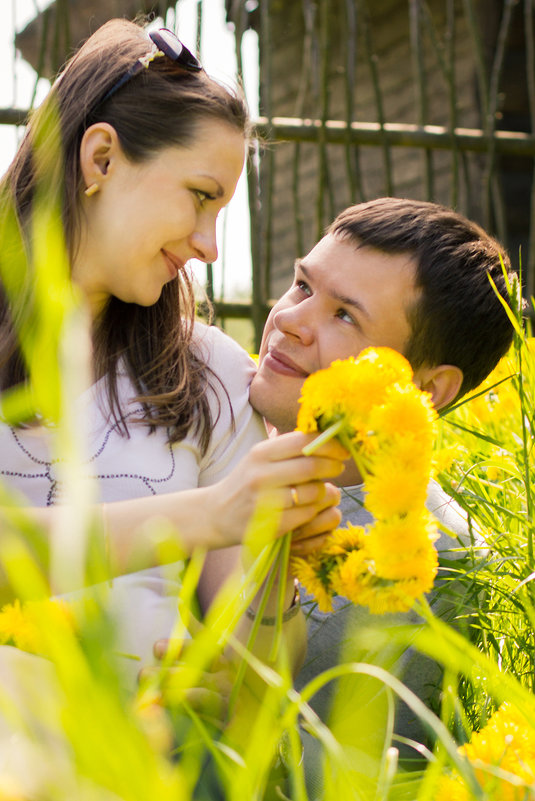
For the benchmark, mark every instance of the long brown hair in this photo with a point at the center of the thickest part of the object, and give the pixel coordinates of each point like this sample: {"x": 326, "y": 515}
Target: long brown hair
{"x": 161, "y": 106}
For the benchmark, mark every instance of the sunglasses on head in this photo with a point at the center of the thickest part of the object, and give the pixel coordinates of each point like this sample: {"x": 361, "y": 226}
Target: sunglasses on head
{"x": 165, "y": 43}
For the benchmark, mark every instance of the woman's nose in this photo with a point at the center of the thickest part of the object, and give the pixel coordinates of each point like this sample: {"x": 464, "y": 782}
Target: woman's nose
{"x": 204, "y": 243}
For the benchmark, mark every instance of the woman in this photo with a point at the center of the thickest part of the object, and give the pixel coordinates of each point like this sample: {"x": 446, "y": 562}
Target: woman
{"x": 151, "y": 150}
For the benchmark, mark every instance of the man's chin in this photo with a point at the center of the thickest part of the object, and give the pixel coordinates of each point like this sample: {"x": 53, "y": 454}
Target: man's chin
{"x": 279, "y": 411}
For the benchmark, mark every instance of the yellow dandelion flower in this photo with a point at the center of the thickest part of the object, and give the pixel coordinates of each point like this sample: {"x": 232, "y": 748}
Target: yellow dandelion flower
{"x": 499, "y": 402}
{"x": 25, "y": 626}
{"x": 391, "y": 491}
{"x": 495, "y": 473}
{"x": 336, "y": 393}
{"x": 311, "y": 574}
{"x": 352, "y": 576}
{"x": 407, "y": 451}
{"x": 398, "y": 536}
{"x": 444, "y": 457}
{"x": 421, "y": 564}
{"x": 395, "y": 596}
{"x": 17, "y": 628}
{"x": 349, "y": 388}
{"x": 391, "y": 424}
{"x": 405, "y": 409}
{"x": 451, "y": 788}
{"x": 507, "y": 742}
{"x": 342, "y": 540}
{"x": 383, "y": 367}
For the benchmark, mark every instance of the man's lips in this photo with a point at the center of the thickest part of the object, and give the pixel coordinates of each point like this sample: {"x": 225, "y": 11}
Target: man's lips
{"x": 174, "y": 264}
{"x": 280, "y": 363}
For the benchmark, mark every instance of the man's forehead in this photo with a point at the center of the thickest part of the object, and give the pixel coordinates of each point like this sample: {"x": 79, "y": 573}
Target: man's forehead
{"x": 335, "y": 258}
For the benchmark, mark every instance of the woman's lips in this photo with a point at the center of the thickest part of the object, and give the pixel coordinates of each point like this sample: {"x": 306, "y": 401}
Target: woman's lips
{"x": 283, "y": 365}
{"x": 174, "y": 264}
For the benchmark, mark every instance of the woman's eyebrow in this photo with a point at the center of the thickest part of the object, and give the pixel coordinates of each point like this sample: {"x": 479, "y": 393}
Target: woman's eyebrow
{"x": 333, "y": 293}
{"x": 219, "y": 191}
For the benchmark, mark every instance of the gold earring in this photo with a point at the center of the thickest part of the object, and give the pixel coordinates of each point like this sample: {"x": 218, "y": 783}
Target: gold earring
{"x": 92, "y": 190}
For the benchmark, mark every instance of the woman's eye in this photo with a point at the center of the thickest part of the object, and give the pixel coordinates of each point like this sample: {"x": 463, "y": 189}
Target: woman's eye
{"x": 202, "y": 197}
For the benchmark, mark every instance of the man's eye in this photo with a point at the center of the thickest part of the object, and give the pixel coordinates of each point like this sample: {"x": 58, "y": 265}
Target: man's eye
{"x": 303, "y": 287}
{"x": 344, "y": 315}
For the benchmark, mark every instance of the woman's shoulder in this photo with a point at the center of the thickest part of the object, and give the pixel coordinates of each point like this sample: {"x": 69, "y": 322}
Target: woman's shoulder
{"x": 222, "y": 354}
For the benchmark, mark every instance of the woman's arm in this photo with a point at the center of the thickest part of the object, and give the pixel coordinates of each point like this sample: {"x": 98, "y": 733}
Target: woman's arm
{"x": 148, "y": 531}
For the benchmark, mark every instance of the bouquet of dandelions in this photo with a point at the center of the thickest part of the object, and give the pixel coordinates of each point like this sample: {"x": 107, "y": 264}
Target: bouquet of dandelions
{"x": 388, "y": 426}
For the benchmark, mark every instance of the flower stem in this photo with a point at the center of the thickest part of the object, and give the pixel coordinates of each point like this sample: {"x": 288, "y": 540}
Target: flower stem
{"x": 275, "y": 549}
{"x": 333, "y": 430}
{"x": 280, "y": 563}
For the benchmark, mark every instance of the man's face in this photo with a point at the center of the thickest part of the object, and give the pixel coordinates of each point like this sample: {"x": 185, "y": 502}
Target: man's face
{"x": 342, "y": 300}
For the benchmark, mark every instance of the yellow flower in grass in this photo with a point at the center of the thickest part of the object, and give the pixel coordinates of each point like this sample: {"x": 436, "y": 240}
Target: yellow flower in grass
{"x": 330, "y": 395}
{"x": 506, "y": 745}
{"x": 452, "y": 789}
{"x": 18, "y": 628}
{"x": 26, "y": 626}
{"x": 444, "y": 457}
{"x": 507, "y": 742}
{"x": 420, "y": 565}
{"x": 499, "y": 401}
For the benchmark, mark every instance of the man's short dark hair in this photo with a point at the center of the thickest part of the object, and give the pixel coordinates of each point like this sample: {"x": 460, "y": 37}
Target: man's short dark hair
{"x": 457, "y": 318}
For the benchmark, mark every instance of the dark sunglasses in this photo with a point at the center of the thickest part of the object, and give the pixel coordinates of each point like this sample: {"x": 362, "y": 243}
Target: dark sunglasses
{"x": 165, "y": 44}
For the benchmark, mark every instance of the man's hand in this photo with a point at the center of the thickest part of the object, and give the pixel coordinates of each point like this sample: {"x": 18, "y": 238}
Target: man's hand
{"x": 208, "y": 699}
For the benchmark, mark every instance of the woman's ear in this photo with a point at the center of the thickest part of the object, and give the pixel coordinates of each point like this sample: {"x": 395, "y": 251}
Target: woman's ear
{"x": 98, "y": 150}
{"x": 443, "y": 383}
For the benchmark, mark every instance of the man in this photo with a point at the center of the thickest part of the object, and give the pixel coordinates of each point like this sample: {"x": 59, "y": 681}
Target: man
{"x": 412, "y": 276}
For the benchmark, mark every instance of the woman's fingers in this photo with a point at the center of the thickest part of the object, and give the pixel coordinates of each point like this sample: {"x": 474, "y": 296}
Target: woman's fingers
{"x": 275, "y": 482}
{"x": 286, "y": 446}
{"x": 317, "y": 493}
{"x": 305, "y": 538}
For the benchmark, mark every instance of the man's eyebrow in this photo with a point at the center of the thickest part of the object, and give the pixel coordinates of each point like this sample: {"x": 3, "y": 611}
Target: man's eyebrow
{"x": 345, "y": 300}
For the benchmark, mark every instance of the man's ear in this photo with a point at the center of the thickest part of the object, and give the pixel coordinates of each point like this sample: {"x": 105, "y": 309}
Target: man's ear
{"x": 98, "y": 149}
{"x": 443, "y": 383}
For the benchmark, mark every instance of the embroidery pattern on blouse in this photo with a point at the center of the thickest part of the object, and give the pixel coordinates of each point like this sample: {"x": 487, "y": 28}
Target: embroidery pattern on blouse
{"x": 53, "y": 491}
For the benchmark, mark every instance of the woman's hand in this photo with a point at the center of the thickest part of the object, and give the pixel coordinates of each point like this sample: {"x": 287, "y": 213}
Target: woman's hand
{"x": 279, "y": 490}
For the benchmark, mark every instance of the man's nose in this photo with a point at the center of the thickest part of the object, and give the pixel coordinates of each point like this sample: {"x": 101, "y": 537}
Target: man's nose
{"x": 297, "y": 321}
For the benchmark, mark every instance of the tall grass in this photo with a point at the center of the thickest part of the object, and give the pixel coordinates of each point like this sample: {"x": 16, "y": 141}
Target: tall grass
{"x": 69, "y": 728}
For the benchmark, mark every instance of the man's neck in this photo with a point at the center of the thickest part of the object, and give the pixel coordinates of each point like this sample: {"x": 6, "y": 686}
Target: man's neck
{"x": 350, "y": 477}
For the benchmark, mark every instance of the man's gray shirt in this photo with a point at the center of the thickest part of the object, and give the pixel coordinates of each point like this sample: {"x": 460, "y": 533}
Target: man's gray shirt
{"x": 333, "y": 637}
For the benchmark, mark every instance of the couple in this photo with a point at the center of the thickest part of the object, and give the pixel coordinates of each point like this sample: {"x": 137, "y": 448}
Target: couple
{"x": 413, "y": 276}
{"x": 140, "y": 183}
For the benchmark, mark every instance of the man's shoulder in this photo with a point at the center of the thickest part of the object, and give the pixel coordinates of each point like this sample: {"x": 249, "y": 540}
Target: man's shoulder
{"x": 454, "y": 529}
{"x": 453, "y": 524}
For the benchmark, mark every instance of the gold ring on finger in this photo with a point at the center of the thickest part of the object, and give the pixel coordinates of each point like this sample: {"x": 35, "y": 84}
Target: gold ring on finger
{"x": 294, "y": 496}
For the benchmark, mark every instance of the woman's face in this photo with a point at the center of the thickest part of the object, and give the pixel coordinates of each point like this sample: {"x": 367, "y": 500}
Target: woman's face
{"x": 147, "y": 220}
